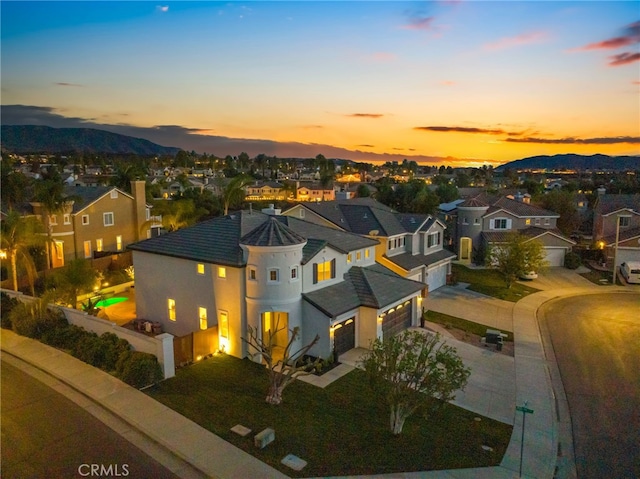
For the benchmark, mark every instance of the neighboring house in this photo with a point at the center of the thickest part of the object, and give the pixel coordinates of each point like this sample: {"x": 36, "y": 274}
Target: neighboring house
{"x": 617, "y": 215}
{"x": 409, "y": 244}
{"x": 315, "y": 192}
{"x": 269, "y": 190}
{"x": 207, "y": 283}
{"x": 483, "y": 221}
{"x": 104, "y": 219}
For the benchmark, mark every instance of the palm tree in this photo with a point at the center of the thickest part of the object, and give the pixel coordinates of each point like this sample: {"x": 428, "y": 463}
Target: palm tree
{"x": 77, "y": 277}
{"x": 19, "y": 235}
{"x": 233, "y": 193}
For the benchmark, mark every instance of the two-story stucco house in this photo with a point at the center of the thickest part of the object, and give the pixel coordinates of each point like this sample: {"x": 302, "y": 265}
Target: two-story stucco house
{"x": 209, "y": 282}
{"x": 101, "y": 219}
{"x": 267, "y": 190}
{"x": 484, "y": 221}
{"x": 618, "y": 217}
{"x": 409, "y": 244}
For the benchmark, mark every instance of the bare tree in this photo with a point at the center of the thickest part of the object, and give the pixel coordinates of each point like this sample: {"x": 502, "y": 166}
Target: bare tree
{"x": 282, "y": 370}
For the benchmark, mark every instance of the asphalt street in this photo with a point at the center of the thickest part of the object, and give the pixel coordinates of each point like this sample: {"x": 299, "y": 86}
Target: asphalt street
{"x": 45, "y": 435}
{"x": 596, "y": 340}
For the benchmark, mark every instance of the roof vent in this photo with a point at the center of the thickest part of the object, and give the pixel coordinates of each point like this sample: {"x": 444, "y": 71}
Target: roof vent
{"x": 412, "y": 220}
{"x": 365, "y": 216}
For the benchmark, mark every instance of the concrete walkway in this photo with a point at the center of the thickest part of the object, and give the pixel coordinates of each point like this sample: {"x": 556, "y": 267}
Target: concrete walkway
{"x": 528, "y": 376}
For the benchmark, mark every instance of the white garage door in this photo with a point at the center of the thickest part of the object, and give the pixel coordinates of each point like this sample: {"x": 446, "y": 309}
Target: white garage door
{"x": 437, "y": 277}
{"x": 555, "y": 256}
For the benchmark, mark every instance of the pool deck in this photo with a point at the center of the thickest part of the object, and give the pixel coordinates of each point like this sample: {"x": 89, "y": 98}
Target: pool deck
{"x": 123, "y": 312}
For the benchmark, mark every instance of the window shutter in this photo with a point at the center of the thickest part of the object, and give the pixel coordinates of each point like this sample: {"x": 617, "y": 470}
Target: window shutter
{"x": 333, "y": 268}
{"x": 508, "y": 224}
{"x": 315, "y": 273}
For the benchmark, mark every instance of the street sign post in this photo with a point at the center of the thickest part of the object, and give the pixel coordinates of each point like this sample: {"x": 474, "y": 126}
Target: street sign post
{"x": 524, "y": 410}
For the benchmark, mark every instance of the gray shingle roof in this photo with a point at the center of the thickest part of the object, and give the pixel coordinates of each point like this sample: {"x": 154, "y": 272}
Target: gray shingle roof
{"x": 624, "y": 235}
{"x": 606, "y": 204}
{"x": 375, "y": 287}
{"x": 409, "y": 261}
{"x": 531, "y": 232}
{"x": 520, "y": 209}
{"x": 272, "y": 233}
{"x": 87, "y": 195}
{"x": 411, "y": 222}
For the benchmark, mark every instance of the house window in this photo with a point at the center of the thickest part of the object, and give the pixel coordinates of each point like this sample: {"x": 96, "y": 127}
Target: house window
{"x": 294, "y": 272}
{"x": 119, "y": 243}
{"x": 390, "y": 245}
{"x": 147, "y": 214}
{"x": 547, "y": 221}
{"x": 465, "y": 221}
{"x": 366, "y": 253}
{"x": 53, "y": 219}
{"x": 252, "y": 274}
{"x": 85, "y": 219}
{"x": 108, "y": 219}
{"x": 476, "y": 221}
{"x": 273, "y": 275}
{"x": 87, "y": 249}
{"x": 624, "y": 221}
{"x": 358, "y": 256}
{"x": 223, "y": 324}
{"x": 527, "y": 221}
{"x": 324, "y": 271}
{"x": 301, "y": 213}
{"x": 537, "y": 221}
{"x": 171, "y": 309}
{"x": 222, "y": 272}
{"x": 202, "y": 315}
{"x": 59, "y": 245}
{"x": 99, "y": 244}
{"x": 200, "y": 268}
{"x": 349, "y": 258}
{"x": 114, "y": 194}
{"x": 500, "y": 224}
{"x": 433, "y": 239}
{"x": 67, "y": 219}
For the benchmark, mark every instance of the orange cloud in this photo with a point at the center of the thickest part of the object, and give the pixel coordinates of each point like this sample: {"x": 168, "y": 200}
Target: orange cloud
{"x": 461, "y": 129}
{"x": 524, "y": 39}
{"x": 365, "y": 115}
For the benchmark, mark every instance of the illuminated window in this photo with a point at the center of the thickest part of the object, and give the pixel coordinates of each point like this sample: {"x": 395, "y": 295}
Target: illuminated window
{"x": 87, "y": 249}
{"x": 171, "y": 307}
{"x": 202, "y": 314}
{"x": 85, "y": 219}
{"x": 119, "y": 243}
{"x": 349, "y": 258}
{"x": 324, "y": 271}
{"x": 59, "y": 245}
{"x": 273, "y": 275}
{"x": 108, "y": 219}
{"x": 222, "y": 272}
{"x": 200, "y": 268}
{"x": 223, "y": 324}
{"x": 53, "y": 219}
{"x": 67, "y": 219}
{"x": 99, "y": 244}
{"x": 358, "y": 256}
{"x": 366, "y": 253}
{"x": 527, "y": 221}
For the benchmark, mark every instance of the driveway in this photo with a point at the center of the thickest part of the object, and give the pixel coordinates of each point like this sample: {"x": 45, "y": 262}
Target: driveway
{"x": 557, "y": 278}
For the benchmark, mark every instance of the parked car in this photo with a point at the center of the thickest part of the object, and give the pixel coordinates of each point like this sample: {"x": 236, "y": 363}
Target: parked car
{"x": 631, "y": 271}
{"x": 529, "y": 275}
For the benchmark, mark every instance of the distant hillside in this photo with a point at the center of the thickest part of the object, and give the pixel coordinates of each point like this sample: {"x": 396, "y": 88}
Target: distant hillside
{"x": 574, "y": 162}
{"x": 46, "y": 140}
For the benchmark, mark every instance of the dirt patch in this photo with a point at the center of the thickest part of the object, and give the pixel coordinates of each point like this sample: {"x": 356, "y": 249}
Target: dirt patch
{"x": 474, "y": 339}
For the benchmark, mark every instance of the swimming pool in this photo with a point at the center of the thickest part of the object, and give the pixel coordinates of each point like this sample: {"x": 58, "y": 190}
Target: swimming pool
{"x": 105, "y": 303}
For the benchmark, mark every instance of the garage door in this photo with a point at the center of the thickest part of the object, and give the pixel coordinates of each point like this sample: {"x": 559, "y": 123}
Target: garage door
{"x": 397, "y": 320}
{"x": 344, "y": 336}
{"x": 437, "y": 277}
{"x": 555, "y": 256}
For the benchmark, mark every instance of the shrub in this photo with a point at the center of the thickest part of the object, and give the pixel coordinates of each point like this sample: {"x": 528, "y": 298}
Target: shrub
{"x": 90, "y": 349}
{"x": 572, "y": 260}
{"x": 138, "y": 369}
{"x": 7, "y": 303}
{"x": 65, "y": 337}
{"x": 114, "y": 347}
{"x": 35, "y": 319}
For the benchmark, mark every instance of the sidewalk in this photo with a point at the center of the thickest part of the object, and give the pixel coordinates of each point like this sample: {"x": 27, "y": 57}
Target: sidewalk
{"x": 217, "y": 458}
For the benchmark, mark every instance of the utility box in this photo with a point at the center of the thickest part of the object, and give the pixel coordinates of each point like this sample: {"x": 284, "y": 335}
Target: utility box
{"x": 493, "y": 336}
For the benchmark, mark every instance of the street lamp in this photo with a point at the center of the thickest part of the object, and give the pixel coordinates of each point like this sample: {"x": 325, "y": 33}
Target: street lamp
{"x": 615, "y": 248}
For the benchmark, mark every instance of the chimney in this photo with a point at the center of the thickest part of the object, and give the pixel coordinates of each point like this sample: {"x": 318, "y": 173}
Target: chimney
{"x": 601, "y": 191}
{"x": 140, "y": 205}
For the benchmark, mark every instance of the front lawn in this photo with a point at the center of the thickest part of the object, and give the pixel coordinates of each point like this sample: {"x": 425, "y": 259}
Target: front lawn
{"x": 468, "y": 326}
{"x": 339, "y": 430}
{"x": 601, "y": 278}
{"x": 491, "y": 283}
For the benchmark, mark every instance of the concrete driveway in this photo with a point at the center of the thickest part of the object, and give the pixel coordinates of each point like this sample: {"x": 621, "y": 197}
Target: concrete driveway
{"x": 557, "y": 278}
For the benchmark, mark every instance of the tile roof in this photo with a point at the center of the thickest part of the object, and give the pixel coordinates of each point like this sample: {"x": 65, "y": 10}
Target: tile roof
{"x": 520, "y": 209}
{"x": 87, "y": 195}
{"x": 374, "y": 287}
{"x": 530, "y": 232}
{"x": 607, "y": 204}
{"x": 624, "y": 235}
{"x": 473, "y": 203}
{"x": 410, "y": 261}
{"x": 272, "y": 233}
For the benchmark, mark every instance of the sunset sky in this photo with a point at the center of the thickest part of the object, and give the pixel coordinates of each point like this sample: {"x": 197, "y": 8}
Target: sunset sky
{"x": 472, "y": 81}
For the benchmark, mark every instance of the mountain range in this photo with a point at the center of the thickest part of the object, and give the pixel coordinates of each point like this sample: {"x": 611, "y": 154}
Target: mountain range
{"x": 31, "y": 139}
{"x": 574, "y": 162}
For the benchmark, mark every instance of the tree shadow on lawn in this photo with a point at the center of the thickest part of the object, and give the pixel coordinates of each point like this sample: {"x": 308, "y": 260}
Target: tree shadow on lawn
{"x": 340, "y": 430}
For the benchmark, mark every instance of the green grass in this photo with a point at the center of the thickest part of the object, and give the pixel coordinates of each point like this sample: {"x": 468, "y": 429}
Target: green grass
{"x": 339, "y": 430}
{"x": 596, "y": 277}
{"x": 491, "y": 283}
{"x": 463, "y": 324}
